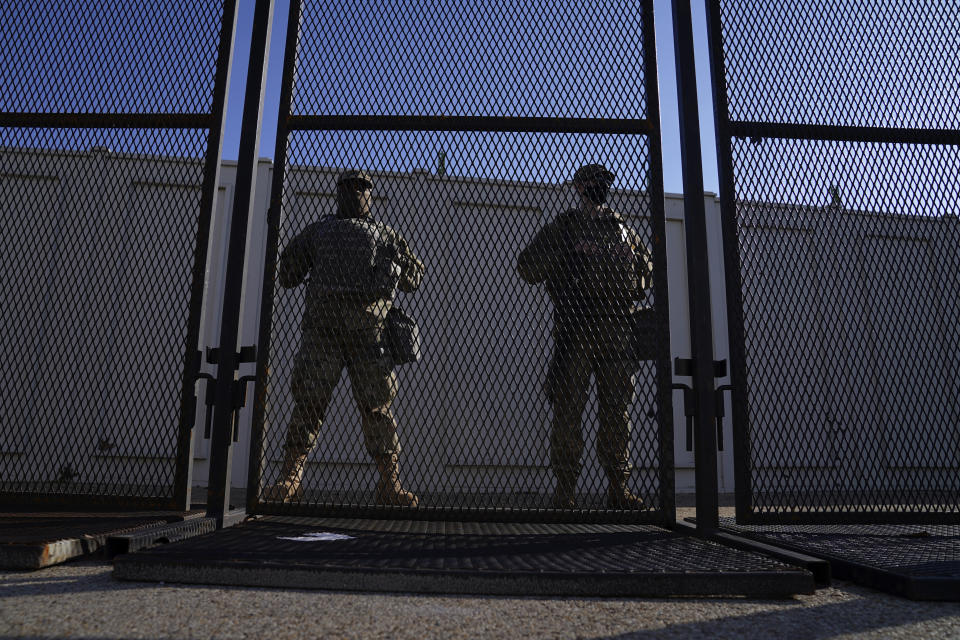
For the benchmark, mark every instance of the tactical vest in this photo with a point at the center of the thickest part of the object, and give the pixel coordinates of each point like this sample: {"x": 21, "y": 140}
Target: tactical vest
{"x": 344, "y": 257}
{"x": 604, "y": 269}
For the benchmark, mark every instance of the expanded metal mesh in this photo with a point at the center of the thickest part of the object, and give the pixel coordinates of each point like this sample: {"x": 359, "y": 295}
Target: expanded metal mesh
{"x": 472, "y": 59}
{"x": 917, "y": 552}
{"x": 105, "y": 190}
{"x": 146, "y": 57}
{"x": 842, "y": 146}
{"x": 853, "y": 62}
{"x": 469, "y": 123}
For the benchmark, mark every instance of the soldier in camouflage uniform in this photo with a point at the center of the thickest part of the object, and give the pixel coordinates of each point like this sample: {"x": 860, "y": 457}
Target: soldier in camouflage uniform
{"x": 355, "y": 264}
{"x": 595, "y": 269}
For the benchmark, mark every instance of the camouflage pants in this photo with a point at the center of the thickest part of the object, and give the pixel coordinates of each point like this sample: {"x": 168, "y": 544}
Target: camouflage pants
{"x": 599, "y": 353}
{"x": 322, "y": 358}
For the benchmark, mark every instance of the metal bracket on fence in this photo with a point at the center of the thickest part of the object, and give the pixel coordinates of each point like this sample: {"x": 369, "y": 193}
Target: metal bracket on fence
{"x": 684, "y": 367}
{"x": 239, "y": 402}
{"x": 208, "y": 401}
{"x": 246, "y": 354}
{"x": 720, "y": 412}
{"x": 689, "y": 410}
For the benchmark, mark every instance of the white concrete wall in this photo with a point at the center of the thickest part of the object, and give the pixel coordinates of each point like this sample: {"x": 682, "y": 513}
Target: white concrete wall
{"x": 95, "y": 304}
{"x": 855, "y": 335}
{"x": 471, "y": 296}
{"x": 479, "y": 322}
{"x": 469, "y": 301}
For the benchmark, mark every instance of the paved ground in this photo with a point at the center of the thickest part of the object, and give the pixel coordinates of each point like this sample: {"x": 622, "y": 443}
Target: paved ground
{"x": 81, "y": 600}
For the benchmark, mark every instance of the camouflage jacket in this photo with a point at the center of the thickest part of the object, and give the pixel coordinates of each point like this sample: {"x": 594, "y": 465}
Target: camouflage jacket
{"x": 341, "y": 310}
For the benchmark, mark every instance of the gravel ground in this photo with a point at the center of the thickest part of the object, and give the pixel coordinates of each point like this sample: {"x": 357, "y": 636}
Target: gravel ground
{"x": 81, "y": 600}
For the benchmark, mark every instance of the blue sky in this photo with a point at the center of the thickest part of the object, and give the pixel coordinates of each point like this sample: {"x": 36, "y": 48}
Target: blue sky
{"x": 669, "y": 121}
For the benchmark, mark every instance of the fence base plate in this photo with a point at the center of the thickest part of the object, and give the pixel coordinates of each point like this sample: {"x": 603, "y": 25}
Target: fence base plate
{"x": 920, "y": 562}
{"x": 530, "y": 560}
{"x": 31, "y": 541}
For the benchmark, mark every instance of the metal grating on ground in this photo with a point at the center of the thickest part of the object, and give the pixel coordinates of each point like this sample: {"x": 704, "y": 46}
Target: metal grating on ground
{"x": 36, "y": 540}
{"x": 453, "y": 528}
{"x": 589, "y": 561}
{"x": 916, "y": 561}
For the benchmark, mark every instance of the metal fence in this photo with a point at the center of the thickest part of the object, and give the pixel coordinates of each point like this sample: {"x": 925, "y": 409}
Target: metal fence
{"x": 839, "y": 152}
{"x": 110, "y": 124}
{"x": 469, "y": 123}
{"x": 510, "y": 159}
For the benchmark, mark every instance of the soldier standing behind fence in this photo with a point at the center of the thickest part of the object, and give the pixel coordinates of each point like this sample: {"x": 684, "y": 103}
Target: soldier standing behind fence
{"x": 355, "y": 265}
{"x": 595, "y": 269}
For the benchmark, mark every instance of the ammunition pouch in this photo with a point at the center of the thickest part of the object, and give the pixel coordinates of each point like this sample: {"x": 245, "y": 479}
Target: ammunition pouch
{"x": 402, "y": 337}
{"x": 386, "y": 277}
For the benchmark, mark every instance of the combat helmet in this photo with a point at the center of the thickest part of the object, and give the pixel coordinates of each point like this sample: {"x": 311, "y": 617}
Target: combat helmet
{"x": 594, "y": 174}
{"x": 355, "y": 174}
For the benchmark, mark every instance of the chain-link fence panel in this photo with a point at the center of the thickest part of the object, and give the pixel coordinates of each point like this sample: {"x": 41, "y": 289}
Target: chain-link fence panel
{"x": 839, "y": 139}
{"x": 464, "y": 310}
{"x": 110, "y": 122}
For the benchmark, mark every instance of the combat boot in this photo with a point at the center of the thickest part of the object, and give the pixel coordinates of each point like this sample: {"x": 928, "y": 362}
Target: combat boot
{"x": 565, "y": 493}
{"x": 389, "y": 492}
{"x": 291, "y": 474}
{"x": 618, "y": 495}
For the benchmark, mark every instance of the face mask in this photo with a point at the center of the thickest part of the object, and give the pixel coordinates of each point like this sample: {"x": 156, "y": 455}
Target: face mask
{"x": 596, "y": 193}
{"x": 353, "y": 202}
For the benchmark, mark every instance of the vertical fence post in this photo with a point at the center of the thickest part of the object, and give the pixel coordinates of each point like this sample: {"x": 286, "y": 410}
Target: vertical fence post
{"x": 731, "y": 261}
{"x": 701, "y": 327}
{"x": 211, "y": 179}
{"x": 257, "y": 446}
{"x": 664, "y": 376}
{"x": 221, "y": 443}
